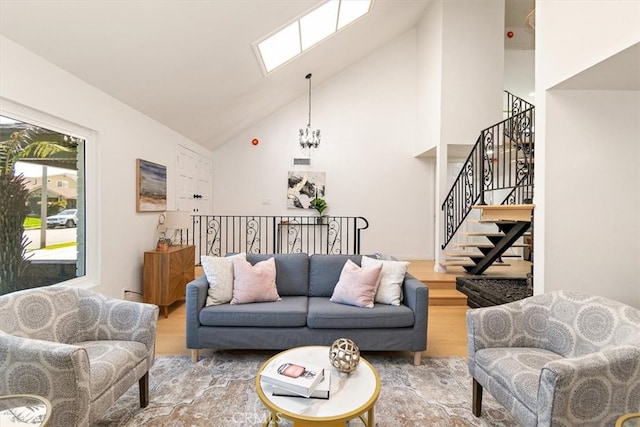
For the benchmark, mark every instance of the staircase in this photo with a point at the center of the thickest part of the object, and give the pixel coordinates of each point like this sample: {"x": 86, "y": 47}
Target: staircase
{"x": 500, "y": 166}
{"x": 512, "y": 221}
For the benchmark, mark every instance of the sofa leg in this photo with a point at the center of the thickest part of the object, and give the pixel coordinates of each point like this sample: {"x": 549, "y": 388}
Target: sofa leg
{"x": 417, "y": 358}
{"x": 143, "y": 384}
{"x": 195, "y": 355}
{"x": 477, "y": 398}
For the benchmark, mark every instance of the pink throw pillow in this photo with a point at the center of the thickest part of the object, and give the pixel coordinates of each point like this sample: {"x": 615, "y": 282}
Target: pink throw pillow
{"x": 254, "y": 283}
{"x": 357, "y": 285}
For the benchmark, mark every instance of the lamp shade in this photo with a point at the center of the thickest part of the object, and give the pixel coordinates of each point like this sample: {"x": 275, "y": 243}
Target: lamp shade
{"x": 177, "y": 220}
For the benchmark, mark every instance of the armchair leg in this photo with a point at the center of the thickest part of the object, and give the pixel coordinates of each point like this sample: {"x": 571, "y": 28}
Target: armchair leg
{"x": 194, "y": 355}
{"x": 143, "y": 384}
{"x": 477, "y": 398}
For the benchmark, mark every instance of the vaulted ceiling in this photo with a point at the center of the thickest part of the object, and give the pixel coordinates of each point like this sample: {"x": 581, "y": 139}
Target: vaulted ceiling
{"x": 190, "y": 64}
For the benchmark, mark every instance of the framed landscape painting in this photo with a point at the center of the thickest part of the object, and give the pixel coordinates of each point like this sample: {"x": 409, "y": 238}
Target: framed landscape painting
{"x": 151, "y": 187}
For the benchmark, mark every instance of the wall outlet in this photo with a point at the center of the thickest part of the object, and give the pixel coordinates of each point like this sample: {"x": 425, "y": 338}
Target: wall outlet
{"x": 132, "y": 295}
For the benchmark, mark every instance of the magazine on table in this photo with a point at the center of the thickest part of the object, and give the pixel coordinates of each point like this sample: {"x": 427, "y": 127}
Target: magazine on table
{"x": 322, "y": 391}
{"x": 295, "y": 376}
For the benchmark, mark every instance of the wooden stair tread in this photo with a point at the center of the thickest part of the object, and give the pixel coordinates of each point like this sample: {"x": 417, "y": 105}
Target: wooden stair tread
{"x": 450, "y": 297}
{"x": 488, "y": 245}
{"x": 527, "y": 206}
{"x": 472, "y": 264}
{"x": 480, "y": 234}
{"x": 522, "y": 212}
{"x": 440, "y": 285}
{"x": 475, "y": 254}
{"x": 493, "y": 221}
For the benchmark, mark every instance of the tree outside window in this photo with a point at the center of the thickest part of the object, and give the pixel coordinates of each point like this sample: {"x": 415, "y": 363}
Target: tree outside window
{"x": 31, "y": 255}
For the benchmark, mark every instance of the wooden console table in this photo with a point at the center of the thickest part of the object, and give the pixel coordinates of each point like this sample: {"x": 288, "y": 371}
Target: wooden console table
{"x": 165, "y": 275}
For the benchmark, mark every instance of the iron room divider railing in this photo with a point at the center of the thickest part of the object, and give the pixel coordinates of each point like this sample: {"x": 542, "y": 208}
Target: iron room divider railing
{"x": 217, "y": 235}
{"x": 502, "y": 158}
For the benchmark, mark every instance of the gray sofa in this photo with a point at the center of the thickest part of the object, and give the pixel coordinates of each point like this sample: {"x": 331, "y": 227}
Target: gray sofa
{"x": 305, "y": 316}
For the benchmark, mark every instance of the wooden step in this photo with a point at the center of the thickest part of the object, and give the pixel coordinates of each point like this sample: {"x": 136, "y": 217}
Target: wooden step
{"x": 481, "y": 234}
{"x": 506, "y": 212}
{"x": 474, "y": 254}
{"x": 488, "y": 245}
{"x": 440, "y": 284}
{"x": 448, "y": 297}
{"x": 471, "y": 264}
{"x": 478, "y": 234}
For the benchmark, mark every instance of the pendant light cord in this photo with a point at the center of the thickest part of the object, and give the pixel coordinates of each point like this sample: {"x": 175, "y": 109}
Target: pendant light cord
{"x": 308, "y": 77}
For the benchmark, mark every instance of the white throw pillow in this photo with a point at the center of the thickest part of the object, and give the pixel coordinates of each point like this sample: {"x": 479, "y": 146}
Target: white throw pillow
{"x": 390, "y": 280}
{"x": 219, "y": 272}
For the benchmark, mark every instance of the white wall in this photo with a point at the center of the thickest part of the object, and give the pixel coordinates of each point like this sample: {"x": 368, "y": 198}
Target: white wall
{"x": 593, "y": 196}
{"x": 573, "y": 35}
{"x": 430, "y": 58}
{"x": 587, "y": 161}
{"x": 367, "y": 115}
{"x": 461, "y": 68}
{"x": 519, "y": 73}
{"x": 118, "y": 135}
{"x": 472, "y": 68}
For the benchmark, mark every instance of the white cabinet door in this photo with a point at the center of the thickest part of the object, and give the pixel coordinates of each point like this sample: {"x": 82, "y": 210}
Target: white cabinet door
{"x": 194, "y": 182}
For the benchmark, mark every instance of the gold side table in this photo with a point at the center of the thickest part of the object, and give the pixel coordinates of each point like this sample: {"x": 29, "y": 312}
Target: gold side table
{"x": 629, "y": 420}
{"x": 24, "y": 410}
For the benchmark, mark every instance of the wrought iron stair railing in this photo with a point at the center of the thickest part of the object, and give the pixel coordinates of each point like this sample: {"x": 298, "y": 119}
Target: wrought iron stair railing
{"x": 502, "y": 158}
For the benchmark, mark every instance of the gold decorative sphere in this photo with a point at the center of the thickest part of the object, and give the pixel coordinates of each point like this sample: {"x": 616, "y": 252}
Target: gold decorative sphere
{"x": 344, "y": 355}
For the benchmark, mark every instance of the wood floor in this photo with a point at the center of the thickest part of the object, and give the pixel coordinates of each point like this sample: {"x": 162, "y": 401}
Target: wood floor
{"x": 446, "y": 332}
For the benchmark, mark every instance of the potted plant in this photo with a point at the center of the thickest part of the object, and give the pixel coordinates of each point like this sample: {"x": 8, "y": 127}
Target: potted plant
{"x": 320, "y": 205}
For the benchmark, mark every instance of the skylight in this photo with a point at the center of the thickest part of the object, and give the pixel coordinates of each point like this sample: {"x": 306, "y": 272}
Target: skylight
{"x": 309, "y": 30}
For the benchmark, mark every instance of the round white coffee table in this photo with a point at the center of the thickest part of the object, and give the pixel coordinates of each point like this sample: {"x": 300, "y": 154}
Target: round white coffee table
{"x": 352, "y": 395}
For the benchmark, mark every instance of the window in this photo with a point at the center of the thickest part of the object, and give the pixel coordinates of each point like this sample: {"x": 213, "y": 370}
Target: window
{"x": 309, "y": 30}
{"x": 54, "y": 216}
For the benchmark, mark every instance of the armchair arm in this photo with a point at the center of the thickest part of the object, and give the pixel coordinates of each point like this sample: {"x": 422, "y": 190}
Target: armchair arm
{"x": 118, "y": 319}
{"x": 196, "y": 299}
{"x": 59, "y": 372}
{"x": 595, "y": 388}
{"x": 416, "y": 297}
{"x": 516, "y": 324}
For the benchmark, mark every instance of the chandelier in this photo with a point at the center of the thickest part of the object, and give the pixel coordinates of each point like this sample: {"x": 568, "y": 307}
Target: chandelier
{"x": 309, "y": 138}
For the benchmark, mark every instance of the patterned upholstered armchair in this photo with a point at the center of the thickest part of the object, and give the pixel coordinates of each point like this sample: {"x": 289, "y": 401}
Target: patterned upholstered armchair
{"x": 79, "y": 349}
{"x": 558, "y": 359}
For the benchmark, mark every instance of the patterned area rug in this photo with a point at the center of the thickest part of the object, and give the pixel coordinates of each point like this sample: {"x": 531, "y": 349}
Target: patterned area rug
{"x": 219, "y": 391}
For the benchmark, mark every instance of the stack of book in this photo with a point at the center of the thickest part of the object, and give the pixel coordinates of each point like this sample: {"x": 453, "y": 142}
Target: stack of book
{"x": 293, "y": 378}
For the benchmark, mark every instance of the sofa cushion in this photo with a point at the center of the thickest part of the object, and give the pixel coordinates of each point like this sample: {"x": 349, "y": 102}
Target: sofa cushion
{"x": 289, "y": 312}
{"x": 292, "y": 272}
{"x": 254, "y": 283}
{"x": 324, "y": 314}
{"x": 357, "y": 285}
{"x": 219, "y": 272}
{"x": 324, "y": 272}
{"x": 390, "y": 281}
